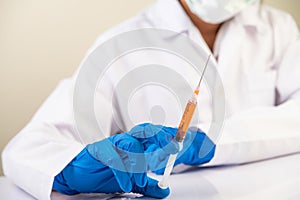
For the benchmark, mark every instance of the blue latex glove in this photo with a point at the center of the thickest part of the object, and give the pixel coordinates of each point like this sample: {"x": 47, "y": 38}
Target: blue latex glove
{"x": 197, "y": 147}
{"x": 103, "y": 168}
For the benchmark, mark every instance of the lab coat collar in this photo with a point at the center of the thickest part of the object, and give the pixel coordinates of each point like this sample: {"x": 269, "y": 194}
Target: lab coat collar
{"x": 171, "y": 16}
{"x": 250, "y": 18}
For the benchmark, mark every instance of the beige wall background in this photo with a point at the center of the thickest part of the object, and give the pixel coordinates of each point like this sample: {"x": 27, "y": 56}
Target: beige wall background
{"x": 43, "y": 41}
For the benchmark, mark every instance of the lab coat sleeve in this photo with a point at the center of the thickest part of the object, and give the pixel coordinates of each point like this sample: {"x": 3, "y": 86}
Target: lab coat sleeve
{"x": 45, "y": 146}
{"x": 50, "y": 140}
{"x": 266, "y": 132}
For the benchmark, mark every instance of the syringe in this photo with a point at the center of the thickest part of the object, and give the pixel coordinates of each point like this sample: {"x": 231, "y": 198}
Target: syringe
{"x": 181, "y": 132}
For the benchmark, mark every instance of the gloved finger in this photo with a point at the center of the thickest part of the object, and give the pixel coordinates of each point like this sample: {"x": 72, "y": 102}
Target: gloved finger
{"x": 152, "y": 134}
{"x": 160, "y": 169}
{"x": 123, "y": 180}
{"x": 170, "y": 130}
{"x": 106, "y": 152}
{"x": 138, "y": 168}
{"x": 161, "y": 140}
{"x": 172, "y": 148}
{"x": 206, "y": 147}
{"x": 132, "y": 155}
{"x": 198, "y": 149}
{"x": 188, "y": 140}
{"x": 146, "y": 133}
{"x": 138, "y": 131}
{"x": 140, "y": 179}
{"x": 157, "y": 158}
{"x": 161, "y": 135}
{"x": 152, "y": 189}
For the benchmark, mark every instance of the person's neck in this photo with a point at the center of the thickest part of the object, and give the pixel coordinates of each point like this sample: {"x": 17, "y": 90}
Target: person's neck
{"x": 208, "y": 31}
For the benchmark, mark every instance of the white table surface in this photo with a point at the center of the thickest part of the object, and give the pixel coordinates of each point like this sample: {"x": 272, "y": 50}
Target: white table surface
{"x": 271, "y": 179}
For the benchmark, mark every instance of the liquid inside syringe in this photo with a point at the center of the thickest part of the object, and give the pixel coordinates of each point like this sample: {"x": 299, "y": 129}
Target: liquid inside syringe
{"x": 186, "y": 119}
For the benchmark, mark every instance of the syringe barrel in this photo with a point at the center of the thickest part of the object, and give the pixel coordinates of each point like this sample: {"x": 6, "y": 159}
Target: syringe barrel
{"x": 186, "y": 119}
{"x": 180, "y": 135}
{"x": 163, "y": 183}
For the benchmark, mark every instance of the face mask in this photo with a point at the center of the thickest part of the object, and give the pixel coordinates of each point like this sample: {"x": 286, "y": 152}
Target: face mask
{"x": 217, "y": 11}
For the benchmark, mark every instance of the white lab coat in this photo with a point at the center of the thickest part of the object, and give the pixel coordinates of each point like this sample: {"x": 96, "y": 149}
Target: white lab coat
{"x": 258, "y": 61}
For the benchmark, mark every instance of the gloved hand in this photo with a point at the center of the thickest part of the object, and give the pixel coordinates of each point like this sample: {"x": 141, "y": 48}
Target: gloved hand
{"x": 114, "y": 165}
{"x": 197, "y": 147}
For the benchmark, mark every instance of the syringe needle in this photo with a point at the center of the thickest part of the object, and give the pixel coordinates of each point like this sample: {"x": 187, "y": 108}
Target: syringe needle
{"x": 196, "y": 91}
{"x": 202, "y": 75}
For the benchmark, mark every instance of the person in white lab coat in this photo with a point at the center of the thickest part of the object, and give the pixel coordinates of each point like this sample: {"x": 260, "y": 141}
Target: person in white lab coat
{"x": 256, "y": 49}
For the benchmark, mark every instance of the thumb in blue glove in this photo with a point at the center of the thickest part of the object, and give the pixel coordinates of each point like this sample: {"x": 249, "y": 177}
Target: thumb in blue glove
{"x": 198, "y": 148}
{"x": 158, "y": 142}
